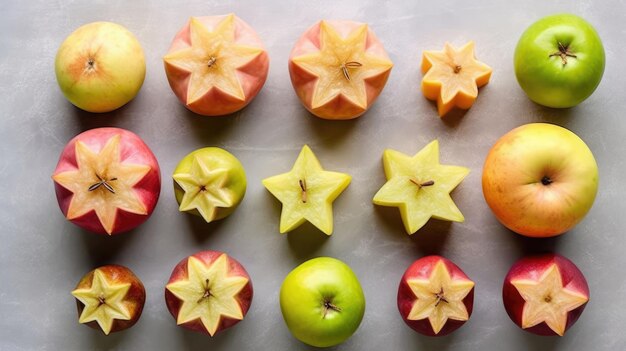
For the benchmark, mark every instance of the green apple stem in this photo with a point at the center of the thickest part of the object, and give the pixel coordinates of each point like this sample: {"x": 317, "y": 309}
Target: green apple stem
{"x": 330, "y": 306}
{"x": 564, "y": 53}
{"x": 350, "y": 64}
{"x": 303, "y": 187}
{"x": 212, "y": 61}
{"x": 104, "y": 183}
{"x": 422, "y": 184}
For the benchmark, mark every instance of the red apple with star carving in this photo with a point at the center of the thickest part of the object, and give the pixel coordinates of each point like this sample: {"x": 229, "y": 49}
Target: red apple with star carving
{"x": 208, "y": 292}
{"x": 435, "y": 297}
{"x": 107, "y": 180}
{"x": 545, "y": 294}
{"x": 216, "y": 65}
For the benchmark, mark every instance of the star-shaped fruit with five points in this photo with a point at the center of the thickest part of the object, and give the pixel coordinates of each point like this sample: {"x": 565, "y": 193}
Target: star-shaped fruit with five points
{"x": 452, "y": 77}
{"x": 547, "y": 300}
{"x": 420, "y": 187}
{"x": 307, "y": 193}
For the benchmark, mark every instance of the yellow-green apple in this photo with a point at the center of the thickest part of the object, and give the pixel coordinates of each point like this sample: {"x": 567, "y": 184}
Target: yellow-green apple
{"x": 216, "y": 65}
{"x": 435, "y": 297}
{"x": 540, "y": 180}
{"x": 338, "y": 69}
{"x": 209, "y": 182}
{"x": 545, "y": 294}
{"x": 107, "y": 180}
{"x": 322, "y": 302}
{"x": 109, "y": 298}
{"x": 100, "y": 67}
{"x": 208, "y": 292}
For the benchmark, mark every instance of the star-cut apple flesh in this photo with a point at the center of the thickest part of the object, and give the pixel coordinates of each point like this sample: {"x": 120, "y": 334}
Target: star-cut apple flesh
{"x": 208, "y": 292}
{"x": 109, "y": 298}
{"x": 338, "y": 69}
{"x": 435, "y": 297}
{"x": 420, "y": 187}
{"x": 452, "y": 77}
{"x": 307, "y": 193}
{"x": 209, "y": 182}
{"x": 216, "y": 65}
{"x": 545, "y": 294}
{"x": 107, "y": 180}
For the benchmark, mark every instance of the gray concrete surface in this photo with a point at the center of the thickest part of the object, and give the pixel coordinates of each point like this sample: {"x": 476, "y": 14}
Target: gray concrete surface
{"x": 42, "y": 256}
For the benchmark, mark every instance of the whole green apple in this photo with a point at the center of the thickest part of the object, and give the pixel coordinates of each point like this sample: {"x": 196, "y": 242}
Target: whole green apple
{"x": 100, "y": 67}
{"x": 322, "y": 302}
{"x": 559, "y": 61}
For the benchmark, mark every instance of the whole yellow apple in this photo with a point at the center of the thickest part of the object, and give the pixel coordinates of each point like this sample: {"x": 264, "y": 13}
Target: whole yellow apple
{"x": 100, "y": 67}
{"x": 540, "y": 180}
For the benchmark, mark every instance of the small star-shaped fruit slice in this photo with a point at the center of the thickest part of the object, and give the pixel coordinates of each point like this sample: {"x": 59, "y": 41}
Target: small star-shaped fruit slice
{"x": 208, "y": 293}
{"x": 103, "y": 183}
{"x": 307, "y": 193}
{"x": 547, "y": 300}
{"x": 103, "y": 301}
{"x": 452, "y": 77}
{"x": 420, "y": 187}
{"x": 349, "y": 70}
{"x": 439, "y": 298}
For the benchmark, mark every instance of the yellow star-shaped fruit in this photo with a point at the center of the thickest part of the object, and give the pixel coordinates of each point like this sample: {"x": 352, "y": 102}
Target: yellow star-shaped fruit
{"x": 213, "y": 59}
{"x": 452, "y": 77}
{"x": 307, "y": 193}
{"x": 208, "y": 293}
{"x": 547, "y": 300}
{"x": 342, "y": 66}
{"x": 439, "y": 298}
{"x": 102, "y": 183}
{"x": 205, "y": 189}
{"x": 103, "y": 302}
{"x": 420, "y": 187}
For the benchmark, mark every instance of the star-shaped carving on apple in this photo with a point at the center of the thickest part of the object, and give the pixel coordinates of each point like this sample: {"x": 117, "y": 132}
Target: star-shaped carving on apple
{"x": 216, "y": 64}
{"x": 307, "y": 193}
{"x": 545, "y": 294}
{"x": 420, "y": 187}
{"x": 208, "y": 292}
{"x": 435, "y": 297}
{"x": 209, "y": 182}
{"x": 338, "y": 69}
{"x": 109, "y": 298}
{"x": 107, "y": 180}
{"x": 452, "y": 77}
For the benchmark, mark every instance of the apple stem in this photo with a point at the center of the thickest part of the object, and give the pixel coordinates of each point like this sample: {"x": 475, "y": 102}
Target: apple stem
{"x": 440, "y": 298}
{"x": 564, "y": 53}
{"x": 457, "y": 68}
{"x": 101, "y": 299}
{"x": 102, "y": 182}
{"x": 546, "y": 180}
{"x": 350, "y": 64}
{"x": 303, "y": 187}
{"x": 423, "y": 184}
{"x": 212, "y": 61}
{"x": 330, "y": 306}
{"x": 207, "y": 291}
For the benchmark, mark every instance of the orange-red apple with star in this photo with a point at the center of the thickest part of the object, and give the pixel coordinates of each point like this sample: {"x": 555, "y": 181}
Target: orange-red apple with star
{"x": 208, "y": 292}
{"x": 107, "y": 180}
{"x": 338, "y": 69}
{"x": 435, "y": 297}
{"x": 545, "y": 294}
{"x": 216, "y": 65}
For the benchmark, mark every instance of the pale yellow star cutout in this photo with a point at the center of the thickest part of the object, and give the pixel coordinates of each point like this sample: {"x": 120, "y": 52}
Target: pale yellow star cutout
{"x": 102, "y": 183}
{"x": 420, "y": 187}
{"x": 547, "y": 300}
{"x": 103, "y": 302}
{"x": 205, "y": 189}
{"x": 213, "y": 59}
{"x": 342, "y": 66}
{"x": 307, "y": 193}
{"x": 439, "y": 298}
{"x": 208, "y": 293}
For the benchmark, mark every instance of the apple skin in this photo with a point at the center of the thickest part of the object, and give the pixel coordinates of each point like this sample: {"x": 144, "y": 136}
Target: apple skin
{"x": 119, "y": 67}
{"x": 133, "y": 150}
{"x": 545, "y": 79}
{"x": 252, "y": 76}
{"x": 513, "y": 173}
{"x": 421, "y": 269}
{"x": 302, "y": 296}
{"x": 244, "y": 298}
{"x": 134, "y": 299}
{"x": 532, "y": 266}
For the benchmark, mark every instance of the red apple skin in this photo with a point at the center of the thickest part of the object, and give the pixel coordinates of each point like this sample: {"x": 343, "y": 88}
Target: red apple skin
{"x": 134, "y": 299}
{"x": 252, "y": 76}
{"x": 133, "y": 150}
{"x": 421, "y": 269}
{"x": 532, "y": 267}
{"x": 244, "y": 298}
